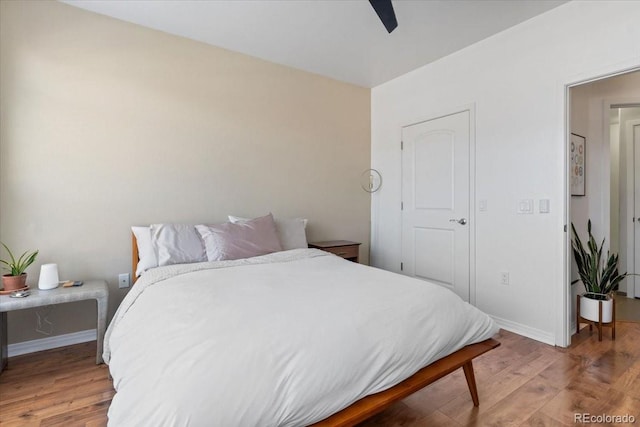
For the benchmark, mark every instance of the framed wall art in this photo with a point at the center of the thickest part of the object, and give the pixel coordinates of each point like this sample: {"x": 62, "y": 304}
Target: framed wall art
{"x": 578, "y": 162}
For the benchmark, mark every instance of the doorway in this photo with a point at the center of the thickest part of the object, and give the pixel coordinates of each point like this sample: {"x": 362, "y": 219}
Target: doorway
{"x": 601, "y": 111}
{"x": 625, "y": 191}
{"x": 625, "y": 204}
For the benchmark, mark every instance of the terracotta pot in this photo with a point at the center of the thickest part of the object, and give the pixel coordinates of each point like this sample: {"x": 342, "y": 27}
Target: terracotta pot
{"x": 589, "y": 309}
{"x": 11, "y": 283}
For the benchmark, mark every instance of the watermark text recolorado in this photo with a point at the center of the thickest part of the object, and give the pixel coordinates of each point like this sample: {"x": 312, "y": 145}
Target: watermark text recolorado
{"x": 586, "y": 418}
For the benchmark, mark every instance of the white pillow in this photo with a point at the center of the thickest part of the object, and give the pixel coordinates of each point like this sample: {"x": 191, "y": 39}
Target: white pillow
{"x": 291, "y": 231}
{"x": 146, "y": 254}
{"x": 177, "y": 244}
{"x": 244, "y": 239}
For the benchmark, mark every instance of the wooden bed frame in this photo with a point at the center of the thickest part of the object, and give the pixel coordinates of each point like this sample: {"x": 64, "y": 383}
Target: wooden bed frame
{"x": 374, "y": 403}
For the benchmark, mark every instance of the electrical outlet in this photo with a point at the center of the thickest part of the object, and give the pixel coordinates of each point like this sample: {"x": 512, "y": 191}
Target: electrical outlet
{"x": 504, "y": 277}
{"x": 123, "y": 280}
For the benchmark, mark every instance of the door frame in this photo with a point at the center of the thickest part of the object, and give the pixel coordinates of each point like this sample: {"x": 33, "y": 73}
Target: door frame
{"x": 471, "y": 109}
{"x": 564, "y": 299}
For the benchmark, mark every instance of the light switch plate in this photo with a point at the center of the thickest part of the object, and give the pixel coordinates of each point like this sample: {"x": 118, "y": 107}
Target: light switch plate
{"x": 543, "y": 206}
{"x": 525, "y": 206}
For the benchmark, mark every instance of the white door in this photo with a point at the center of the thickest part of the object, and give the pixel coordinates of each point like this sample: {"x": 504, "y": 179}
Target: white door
{"x": 636, "y": 210}
{"x": 435, "y": 201}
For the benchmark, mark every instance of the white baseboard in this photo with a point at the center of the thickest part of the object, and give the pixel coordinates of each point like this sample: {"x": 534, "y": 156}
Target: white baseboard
{"x": 527, "y": 331}
{"x": 50, "y": 342}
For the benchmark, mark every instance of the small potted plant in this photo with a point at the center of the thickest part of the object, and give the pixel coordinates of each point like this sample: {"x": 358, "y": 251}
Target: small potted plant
{"x": 598, "y": 274}
{"x": 17, "y": 278}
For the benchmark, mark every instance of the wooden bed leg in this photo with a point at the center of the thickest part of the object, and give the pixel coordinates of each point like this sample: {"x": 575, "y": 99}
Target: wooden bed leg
{"x": 471, "y": 382}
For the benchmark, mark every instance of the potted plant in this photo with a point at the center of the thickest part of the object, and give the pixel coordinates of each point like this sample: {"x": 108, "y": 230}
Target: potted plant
{"x": 598, "y": 274}
{"x": 17, "y": 278}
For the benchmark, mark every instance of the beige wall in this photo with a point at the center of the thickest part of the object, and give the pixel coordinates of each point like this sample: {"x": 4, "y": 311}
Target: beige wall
{"x": 106, "y": 124}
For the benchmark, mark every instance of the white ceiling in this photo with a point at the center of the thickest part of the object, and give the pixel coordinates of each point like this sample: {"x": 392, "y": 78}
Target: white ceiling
{"x": 341, "y": 39}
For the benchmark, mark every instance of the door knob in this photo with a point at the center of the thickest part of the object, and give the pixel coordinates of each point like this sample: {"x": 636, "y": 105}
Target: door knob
{"x": 461, "y": 221}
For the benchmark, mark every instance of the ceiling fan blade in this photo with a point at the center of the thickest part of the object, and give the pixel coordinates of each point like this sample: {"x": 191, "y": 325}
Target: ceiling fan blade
{"x": 385, "y": 12}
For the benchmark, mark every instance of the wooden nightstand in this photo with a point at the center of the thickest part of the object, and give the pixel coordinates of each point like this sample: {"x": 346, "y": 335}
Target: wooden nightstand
{"x": 343, "y": 248}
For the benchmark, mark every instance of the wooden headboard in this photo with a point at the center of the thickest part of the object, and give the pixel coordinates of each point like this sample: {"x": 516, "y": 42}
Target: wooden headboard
{"x": 134, "y": 257}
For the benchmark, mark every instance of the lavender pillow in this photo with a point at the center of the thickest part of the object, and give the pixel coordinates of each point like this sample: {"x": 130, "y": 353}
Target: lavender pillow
{"x": 241, "y": 240}
{"x": 290, "y": 231}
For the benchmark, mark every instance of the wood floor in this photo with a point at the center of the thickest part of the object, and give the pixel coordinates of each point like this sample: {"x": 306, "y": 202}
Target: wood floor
{"x": 61, "y": 387}
{"x": 521, "y": 383}
{"x": 627, "y": 309}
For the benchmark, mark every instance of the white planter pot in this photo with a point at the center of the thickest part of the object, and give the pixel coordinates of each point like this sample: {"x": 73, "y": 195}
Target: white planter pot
{"x": 589, "y": 309}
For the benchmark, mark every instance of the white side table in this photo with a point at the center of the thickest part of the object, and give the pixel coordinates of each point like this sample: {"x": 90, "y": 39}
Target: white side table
{"x": 91, "y": 289}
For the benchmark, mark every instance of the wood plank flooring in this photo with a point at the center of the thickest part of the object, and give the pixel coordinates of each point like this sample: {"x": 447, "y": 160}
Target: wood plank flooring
{"x": 61, "y": 387}
{"x": 521, "y": 383}
{"x": 627, "y": 308}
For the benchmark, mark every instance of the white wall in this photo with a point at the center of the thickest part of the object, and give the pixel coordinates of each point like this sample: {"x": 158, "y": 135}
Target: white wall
{"x": 516, "y": 81}
{"x": 106, "y": 124}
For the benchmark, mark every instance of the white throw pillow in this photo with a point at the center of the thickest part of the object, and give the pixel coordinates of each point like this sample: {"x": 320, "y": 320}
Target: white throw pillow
{"x": 244, "y": 239}
{"x": 291, "y": 231}
{"x": 146, "y": 254}
{"x": 177, "y": 244}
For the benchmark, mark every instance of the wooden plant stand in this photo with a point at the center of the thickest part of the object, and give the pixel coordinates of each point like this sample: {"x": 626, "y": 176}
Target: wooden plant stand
{"x": 599, "y": 324}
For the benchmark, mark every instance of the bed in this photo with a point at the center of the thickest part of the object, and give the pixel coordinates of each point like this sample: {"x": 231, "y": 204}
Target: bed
{"x": 292, "y": 338}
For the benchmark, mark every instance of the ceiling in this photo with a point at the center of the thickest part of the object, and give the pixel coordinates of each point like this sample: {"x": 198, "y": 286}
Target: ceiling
{"x": 341, "y": 39}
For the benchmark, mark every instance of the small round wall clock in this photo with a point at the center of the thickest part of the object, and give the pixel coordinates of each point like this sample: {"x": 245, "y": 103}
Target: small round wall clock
{"x": 370, "y": 180}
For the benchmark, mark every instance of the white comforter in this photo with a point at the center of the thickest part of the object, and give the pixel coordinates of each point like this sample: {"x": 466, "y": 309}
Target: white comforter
{"x": 285, "y": 339}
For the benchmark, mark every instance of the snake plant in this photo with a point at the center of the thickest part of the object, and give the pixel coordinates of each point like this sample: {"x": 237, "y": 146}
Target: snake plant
{"x": 599, "y": 275}
{"x": 17, "y": 267}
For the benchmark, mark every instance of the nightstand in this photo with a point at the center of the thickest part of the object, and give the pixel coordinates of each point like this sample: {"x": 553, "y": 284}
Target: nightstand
{"x": 91, "y": 289}
{"x": 343, "y": 248}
